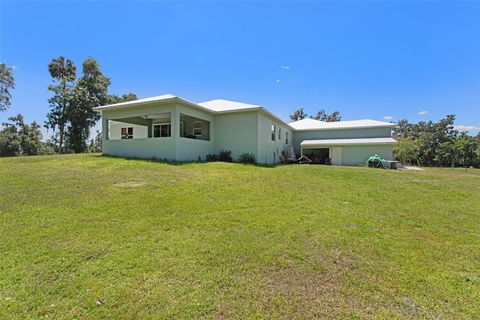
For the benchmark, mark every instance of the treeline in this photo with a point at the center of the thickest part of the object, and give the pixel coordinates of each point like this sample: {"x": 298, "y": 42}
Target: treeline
{"x": 71, "y": 114}
{"x": 435, "y": 144}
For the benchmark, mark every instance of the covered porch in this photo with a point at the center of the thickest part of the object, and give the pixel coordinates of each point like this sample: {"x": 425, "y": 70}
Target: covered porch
{"x": 173, "y": 133}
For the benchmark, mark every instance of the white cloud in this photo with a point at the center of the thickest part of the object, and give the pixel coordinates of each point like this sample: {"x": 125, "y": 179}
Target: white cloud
{"x": 278, "y": 81}
{"x": 388, "y": 118}
{"x": 422, "y": 113}
{"x": 285, "y": 67}
{"x": 463, "y": 128}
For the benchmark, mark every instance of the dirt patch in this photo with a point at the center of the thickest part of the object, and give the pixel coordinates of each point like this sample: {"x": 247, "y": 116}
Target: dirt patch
{"x": 296, "y": 292}
{"x": 129, "y": 184}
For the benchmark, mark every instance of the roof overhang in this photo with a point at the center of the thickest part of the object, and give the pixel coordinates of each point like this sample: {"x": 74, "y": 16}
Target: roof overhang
{"x": 346, "y": 142}
{"x": 147, "y": 102}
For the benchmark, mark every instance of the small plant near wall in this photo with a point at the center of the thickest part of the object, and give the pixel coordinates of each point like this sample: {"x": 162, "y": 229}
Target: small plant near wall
{"x": 225, "y": 156}
{"x": 247, "y": 158}
{"x": 211, "y": 157}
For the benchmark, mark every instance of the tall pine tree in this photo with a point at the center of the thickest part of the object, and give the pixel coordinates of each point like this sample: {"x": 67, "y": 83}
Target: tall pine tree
{"x": 63, "y": 72}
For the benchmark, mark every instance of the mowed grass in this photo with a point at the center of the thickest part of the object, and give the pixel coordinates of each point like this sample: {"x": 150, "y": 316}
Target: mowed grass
{"x": 92, "y": 237}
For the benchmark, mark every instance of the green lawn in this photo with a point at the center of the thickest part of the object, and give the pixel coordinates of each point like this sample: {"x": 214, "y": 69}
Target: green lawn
{"x": 92, "y": 237}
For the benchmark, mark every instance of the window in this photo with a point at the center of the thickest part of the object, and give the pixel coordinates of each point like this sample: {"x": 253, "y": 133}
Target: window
{"x": 197, "y": 128}
{"x": 273, "y": 132}
{"x": 127, "y": 133}
{"x": 162, "y": 130}
{"x": 279, "y": 133}
{"x": 286, "y": 137}
{"x": 182, "y": 129}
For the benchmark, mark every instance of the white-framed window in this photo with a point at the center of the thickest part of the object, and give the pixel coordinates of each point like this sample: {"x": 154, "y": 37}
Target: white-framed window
{"x": 197, "y": 128}
{"x": 286, "y": 137}
{"x": 162, "y": 130}
{"x": 279, "y": 133}
{"x": 273, "y": 131}
{"x": 127, "y": 133}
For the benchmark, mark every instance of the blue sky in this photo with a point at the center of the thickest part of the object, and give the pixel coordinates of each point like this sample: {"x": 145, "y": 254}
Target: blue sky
{"x": 365, "y": 59}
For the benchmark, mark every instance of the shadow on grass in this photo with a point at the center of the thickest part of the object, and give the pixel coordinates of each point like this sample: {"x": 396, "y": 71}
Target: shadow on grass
{"x": 181, "y": 163}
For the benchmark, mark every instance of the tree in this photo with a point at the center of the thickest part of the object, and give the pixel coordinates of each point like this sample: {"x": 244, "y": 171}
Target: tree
{"x": 96, "y": 143}
{"x": 446, "y": 153}
{"x": 402, "y": 129}
{"x": 19, "y": 138}
{"x": 406, "y": 150}
{"x": 322, "y": 115}
{"x": 7, "y": 83}
{"x": 124, "y": 98}
{"x": 298, "y": 115}
{"x": 90, "y": 91}
{"x": 63, "y": 72}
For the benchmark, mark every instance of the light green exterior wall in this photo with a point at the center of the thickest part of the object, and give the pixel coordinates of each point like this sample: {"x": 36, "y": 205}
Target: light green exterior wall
{"x": 358, "y": 155}
{"x": 269, "y": 150}
{"x": 236, "y": 132}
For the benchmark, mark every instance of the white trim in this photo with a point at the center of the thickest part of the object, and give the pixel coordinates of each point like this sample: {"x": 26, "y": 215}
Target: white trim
{"x": 160, "y": 124}
{"x": 312, "y": 144}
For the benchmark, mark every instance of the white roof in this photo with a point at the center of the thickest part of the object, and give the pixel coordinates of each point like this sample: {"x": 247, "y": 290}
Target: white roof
{"x": 138, "y": 101}
{"x": 312, "y": 124}
{"x": 221, "y": 105}
{"x": 338, "y": 142}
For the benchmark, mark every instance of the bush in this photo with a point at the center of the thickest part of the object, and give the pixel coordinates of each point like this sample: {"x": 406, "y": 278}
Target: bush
{"x": 247, "y": 158}
{"x": 10, "y": 145}
{"x": 225, "y": 156}
{"x": 211, "y": 157}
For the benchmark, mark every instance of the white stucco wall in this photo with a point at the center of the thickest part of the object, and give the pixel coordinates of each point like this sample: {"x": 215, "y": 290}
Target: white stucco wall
{"x": 115, "y": 129}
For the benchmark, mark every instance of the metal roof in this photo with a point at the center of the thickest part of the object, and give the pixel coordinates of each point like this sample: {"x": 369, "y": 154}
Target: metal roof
{"x": 343, "y": 142}
{"x": 312, "y": 124}
{"x": 221, "y": 105}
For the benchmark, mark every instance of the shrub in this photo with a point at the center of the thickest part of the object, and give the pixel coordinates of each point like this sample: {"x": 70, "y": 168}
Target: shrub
{"x": 225, "y": 156}
{"x": 247, "y": 158}
{"x": 211, "y": 157}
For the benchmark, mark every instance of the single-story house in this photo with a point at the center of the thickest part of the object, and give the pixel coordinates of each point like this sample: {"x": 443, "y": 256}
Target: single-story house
{"x": 172, "y": 128}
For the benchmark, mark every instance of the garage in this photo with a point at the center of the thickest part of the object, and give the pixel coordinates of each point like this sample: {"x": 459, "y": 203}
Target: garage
{"x": 346, "y": 151}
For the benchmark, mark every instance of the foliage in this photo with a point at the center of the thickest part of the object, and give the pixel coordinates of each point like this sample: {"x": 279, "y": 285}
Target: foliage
{"x": 18, "y": 138}
{"x": 298, "y": 115}
{"x": 71, "y": 113}
{"x": 211, "y": 157}
{"x": 96, "y": 143}
{"x": 322, "y": 115}
{"x": 90, "y": 91}
{"x": 247, "y": 158}
{"x": 225, "y": 156}
{"x": 9, "y": 144}
{"x": 111, "y": 99}
{"x": 7, "y": 82}
{"x": 435, "y": 144}
{"x": 405, "y": 150}
{"x": 234, "y": 241}
{"x": 63, "y": 72}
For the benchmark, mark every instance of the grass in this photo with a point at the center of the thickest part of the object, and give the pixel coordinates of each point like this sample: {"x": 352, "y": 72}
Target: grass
{"x": 91, "y": 237}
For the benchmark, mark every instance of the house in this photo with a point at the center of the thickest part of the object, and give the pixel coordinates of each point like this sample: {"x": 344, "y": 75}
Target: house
{"x": 172, "y": 128}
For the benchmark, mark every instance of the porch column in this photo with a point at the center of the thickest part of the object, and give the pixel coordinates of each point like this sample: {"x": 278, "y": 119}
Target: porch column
{"x": 149, "y": 129}
{"x": 105, "y": 133}
{"x": 175, "y": 122}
